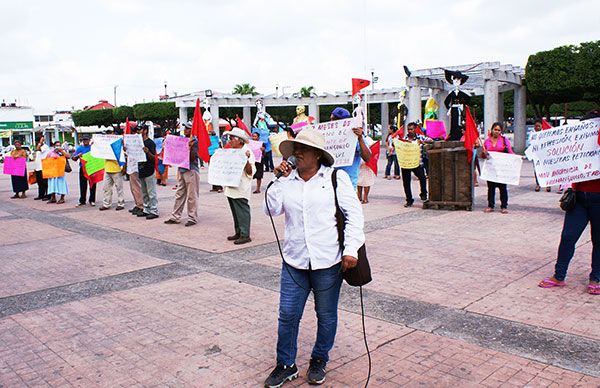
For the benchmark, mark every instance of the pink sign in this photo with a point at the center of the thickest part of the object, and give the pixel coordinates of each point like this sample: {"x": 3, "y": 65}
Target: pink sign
{"x": 176, "y": 151}
{"x": 256, "y": 146}
{"x": 436, "y": 129}
{"x": 14, "y": 166}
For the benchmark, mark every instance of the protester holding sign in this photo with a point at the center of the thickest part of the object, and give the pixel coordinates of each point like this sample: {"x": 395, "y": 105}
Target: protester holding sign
{"x": 133, "y": 172}
{"x": 496, "y": 142}
{"x": 19, "y": 182}
{"x": 83, "y": 182}
{"x": 58, "y": 184}
{"x": 313, "y": 260}
{"x": 113, "y": 177}
{"x": 41, "y": 151}
{"x": 362, "y": 151}
{"x": 239, "y": 196}
{"x": 148, "y": 183}
{"x": 537, "y": 127}
{"x": 188, "y": 182}
{"x": 415, "y": 140}
{"x": 585, "y": 210}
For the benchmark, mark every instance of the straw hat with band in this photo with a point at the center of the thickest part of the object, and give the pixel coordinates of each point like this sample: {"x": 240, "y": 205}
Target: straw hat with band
{"x": 309, "y": 137}
{"x": 240, "y": 133}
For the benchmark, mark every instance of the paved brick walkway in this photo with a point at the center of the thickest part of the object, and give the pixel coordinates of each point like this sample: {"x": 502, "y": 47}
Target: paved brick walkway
{"x": 91, "y": 298}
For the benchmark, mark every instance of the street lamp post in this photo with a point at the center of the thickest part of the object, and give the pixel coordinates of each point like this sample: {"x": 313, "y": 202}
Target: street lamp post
{"x": 115, "y": 93}
{"x": 166, "y": 89}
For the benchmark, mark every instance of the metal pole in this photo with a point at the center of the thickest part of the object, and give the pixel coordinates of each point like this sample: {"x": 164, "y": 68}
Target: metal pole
{"x": 115, "y": 93}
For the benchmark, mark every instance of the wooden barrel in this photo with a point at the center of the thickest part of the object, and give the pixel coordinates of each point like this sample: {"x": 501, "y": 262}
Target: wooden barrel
{"x": 450, "y": 176}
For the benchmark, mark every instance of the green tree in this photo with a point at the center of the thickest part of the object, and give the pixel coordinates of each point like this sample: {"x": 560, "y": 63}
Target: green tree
{"x": 101, "y": 117}
{"x": 245, "y": 89}
{"x": 164, "y": 114}
{"x": 307, "y": 91}
{"x": 122, "y": 113}
{"x": 588, "y": 70}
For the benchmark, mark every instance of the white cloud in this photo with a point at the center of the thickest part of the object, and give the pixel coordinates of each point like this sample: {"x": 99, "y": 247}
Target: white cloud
{"x": 68, "y": 53}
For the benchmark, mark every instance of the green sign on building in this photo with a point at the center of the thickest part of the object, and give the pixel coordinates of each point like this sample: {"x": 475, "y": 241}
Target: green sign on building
{"x": 15, "y": 125}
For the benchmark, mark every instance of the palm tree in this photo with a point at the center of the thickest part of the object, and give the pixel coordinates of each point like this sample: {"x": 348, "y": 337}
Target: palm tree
{"x": 245, "y": 89}
{"x": 307, "y": 91}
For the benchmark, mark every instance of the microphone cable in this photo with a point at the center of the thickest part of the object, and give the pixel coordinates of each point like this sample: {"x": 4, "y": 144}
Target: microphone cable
{"x": 285, "y": 265}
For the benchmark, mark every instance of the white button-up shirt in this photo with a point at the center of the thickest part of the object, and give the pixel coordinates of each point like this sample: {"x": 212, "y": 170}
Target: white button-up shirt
{"x": 311, "y": 235}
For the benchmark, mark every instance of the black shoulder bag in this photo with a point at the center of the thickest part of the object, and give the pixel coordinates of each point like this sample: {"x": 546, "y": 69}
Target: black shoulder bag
{"x": 361, "y": 274}
{"x": 567, "y": 201}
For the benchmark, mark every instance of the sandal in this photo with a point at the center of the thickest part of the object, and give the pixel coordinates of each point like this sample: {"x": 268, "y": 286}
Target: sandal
{"x": 504, "y": 211}
{"x": 549, "y": 283}
{"x": 488, "y": 210}
{"x": 537, "y": 187}
{"x": 593, "y": 289}
{"x": 62, "y": 200}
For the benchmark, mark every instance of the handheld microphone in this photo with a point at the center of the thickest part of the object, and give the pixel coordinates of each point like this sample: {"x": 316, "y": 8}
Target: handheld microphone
{"x": 291, "y": 161}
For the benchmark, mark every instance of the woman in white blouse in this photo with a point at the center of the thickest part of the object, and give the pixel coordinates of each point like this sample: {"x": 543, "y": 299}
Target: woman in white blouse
{"x": 312, "y": 257}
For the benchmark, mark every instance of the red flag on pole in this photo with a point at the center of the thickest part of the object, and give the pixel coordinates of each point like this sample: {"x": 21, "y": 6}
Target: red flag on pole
{"x": 471, "y": 134}
{"x": 127, "y": 127}
{"x": 241, "y": 125}
{"x": 545, "y": 125}
{"x": 199, "y": 130}
{"x": 358, "y": 84}
{"x": 375, "y": 150}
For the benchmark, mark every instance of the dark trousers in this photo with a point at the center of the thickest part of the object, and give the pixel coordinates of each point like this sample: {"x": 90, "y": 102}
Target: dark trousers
{"x": 587, "y": 209}
{"x": 492, "y": 194}
{"x": 267, "y": 161}
{"x": 406, "y": 181}
{"x": 240, "y": 209}
{"x": 392, "y": 159}
{"x": 42, "y": 184}
{"x": 83, "y": 185}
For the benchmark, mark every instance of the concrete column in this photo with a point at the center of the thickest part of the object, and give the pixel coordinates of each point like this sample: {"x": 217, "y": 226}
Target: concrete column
{"x": 414, "y": 104}
{"x": 214, "y": 111}
{"x": 313, "y": 110}
{"x": 56, "y": 134}
{"x": 490, "y": 104}
{"x": 440, "y": 95}
{"x": 520, "y": 114}
{"x": 385, "y": 120}
{"x": 183, "y": 116}
{"x": 246, "y": 112}
{"x": 501, "y": 107}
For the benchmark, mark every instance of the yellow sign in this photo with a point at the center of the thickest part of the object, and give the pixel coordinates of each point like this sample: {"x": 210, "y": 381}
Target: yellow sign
{"x": 409, "y": 154}
{"x": 275, "y": 140}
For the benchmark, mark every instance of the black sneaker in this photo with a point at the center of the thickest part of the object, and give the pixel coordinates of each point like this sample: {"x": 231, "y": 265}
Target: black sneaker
{"x": 316, "y": 371}
{"x": 280, "y": 375}
{"x": 423, "y": 197}
{"x": 409, "y": 203}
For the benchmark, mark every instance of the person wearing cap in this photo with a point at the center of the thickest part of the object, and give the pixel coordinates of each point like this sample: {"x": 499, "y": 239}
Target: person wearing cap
{"x": 188, "y": 182}
{"x": 113, "y": 177}
{"x": 312, "y": 257}
{"x": 147, "y": 179}
{"x": 83, "y": 182}
{"x": 362, "y": 148}
{"x": 135, "y": 184}
{"x": 239, "y": 197}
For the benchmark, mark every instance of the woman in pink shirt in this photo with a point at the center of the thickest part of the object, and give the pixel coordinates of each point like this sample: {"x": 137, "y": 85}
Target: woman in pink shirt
{"x": 496, "y": 142}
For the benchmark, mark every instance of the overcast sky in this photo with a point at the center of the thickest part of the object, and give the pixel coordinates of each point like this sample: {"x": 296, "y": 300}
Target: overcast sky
{"x": 62, "y": 54}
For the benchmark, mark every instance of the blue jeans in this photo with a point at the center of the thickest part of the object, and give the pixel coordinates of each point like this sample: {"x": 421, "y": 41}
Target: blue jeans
{"x": 587, "y": 209}
{"x": 392, "y": 159}
{"x": 325, "y": 285}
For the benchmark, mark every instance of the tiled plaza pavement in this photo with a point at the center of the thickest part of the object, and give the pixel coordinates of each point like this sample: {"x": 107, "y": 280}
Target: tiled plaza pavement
{"x": 105, "y": 299}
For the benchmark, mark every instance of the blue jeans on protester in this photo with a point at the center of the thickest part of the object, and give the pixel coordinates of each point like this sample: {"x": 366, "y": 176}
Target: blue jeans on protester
{"x": 587, "y": 209}
{"x": 388, "y": 169}
{"x": 325, "y": 285}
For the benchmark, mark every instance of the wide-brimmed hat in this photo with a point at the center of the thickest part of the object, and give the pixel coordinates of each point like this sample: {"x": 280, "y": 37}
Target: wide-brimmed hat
{"x": 237, "y": 132}
{"x": 187, "y": 125}
{"x": 449, "y": 74}
{"x": 310, "y": 137}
